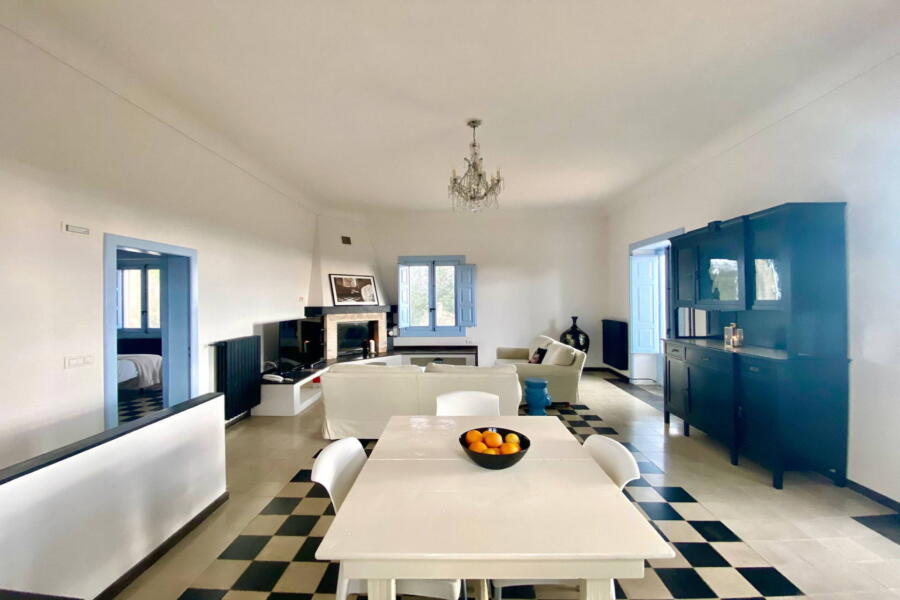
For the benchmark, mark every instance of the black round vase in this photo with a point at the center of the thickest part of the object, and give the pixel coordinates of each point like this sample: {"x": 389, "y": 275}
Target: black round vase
{"x": 576, "y": 337}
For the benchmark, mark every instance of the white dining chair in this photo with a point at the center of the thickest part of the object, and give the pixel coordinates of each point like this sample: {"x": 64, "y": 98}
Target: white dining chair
{"x": 614, "y": 458}
{"x": 620, "y": 465}
{"x": 468, "y": 404}
{"x": 335, "y": 469}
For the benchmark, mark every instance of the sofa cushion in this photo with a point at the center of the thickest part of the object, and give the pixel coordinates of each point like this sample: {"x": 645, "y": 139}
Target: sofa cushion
{"x": 559, "y": 354}
{"x": 369, "y": 368}
{"x": 538, "y": 356}
{"x": 469, "y": 370}
{"x": 541, "y": 341}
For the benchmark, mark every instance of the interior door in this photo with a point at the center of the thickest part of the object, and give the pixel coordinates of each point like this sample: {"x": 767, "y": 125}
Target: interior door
{"x": 645, "y": 313}
{"x": 176, "y": 328}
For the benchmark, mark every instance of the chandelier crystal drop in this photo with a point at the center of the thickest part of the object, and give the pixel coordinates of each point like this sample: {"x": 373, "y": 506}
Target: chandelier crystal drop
{"x": 474, "y": 191}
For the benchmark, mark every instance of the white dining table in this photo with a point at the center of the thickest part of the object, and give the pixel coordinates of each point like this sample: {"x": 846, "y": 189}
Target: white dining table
{"x": 421, "y": 509}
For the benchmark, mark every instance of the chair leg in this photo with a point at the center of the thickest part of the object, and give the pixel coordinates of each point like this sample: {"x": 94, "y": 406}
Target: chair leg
{"x": 342, "y": 584}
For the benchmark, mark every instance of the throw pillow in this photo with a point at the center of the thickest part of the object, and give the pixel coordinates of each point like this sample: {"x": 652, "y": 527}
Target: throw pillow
{"x": 560, "y": 354}
{"x": 538, "y": 356}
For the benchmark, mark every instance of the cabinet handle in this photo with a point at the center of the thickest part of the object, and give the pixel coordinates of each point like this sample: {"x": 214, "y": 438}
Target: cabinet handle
{"x": 706, "y": 358}
{"x": 754, "y": 369}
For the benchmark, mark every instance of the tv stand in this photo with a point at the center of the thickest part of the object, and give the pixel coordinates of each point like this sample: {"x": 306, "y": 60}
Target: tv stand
{"x": 289, "y": 398}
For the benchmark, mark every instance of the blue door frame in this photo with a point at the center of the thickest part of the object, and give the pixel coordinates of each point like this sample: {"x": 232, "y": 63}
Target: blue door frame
{"x": 180, "y": 315}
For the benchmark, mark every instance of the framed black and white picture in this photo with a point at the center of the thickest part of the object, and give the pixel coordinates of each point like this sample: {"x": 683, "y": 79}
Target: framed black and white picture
{"x": 353, "y": 290}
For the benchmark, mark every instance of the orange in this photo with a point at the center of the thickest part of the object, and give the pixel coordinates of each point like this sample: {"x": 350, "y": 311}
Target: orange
{"x": 477, "y": 447}
{"x": 509, "y": 448}
{"x": 473, "y": 436}
{"x": 511, "y": 438}
{"x": 491, "y": 451}
{"x": 492, "y": 439}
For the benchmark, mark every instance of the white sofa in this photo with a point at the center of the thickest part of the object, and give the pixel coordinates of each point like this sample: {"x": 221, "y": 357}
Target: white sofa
{"x": 561, "y": 367}
{"x": 359, "y": 399}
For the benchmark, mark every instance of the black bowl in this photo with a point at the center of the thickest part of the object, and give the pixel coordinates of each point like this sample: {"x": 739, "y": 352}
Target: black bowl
{"x": 498, "y": 461}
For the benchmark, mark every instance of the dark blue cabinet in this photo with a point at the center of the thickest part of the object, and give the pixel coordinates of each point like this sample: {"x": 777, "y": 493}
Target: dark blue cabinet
{"x": 780, "y": 275}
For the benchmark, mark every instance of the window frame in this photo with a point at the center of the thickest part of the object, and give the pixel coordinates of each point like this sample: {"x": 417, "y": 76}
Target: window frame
{"x": 144, "y": 330}
{"x": 432, "y": 329}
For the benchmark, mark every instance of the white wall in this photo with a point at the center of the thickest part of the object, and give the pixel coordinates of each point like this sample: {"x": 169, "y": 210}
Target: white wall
{"x": 74, "y": 527}
{"x": 72, "y": 150}
{"x": 333, "y": 256}
{"x": 535, "y": 269}
{"x": 845, "y": 146}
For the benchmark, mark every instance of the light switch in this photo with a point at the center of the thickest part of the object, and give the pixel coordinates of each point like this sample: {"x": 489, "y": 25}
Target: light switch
{"x": 74, "y": 361}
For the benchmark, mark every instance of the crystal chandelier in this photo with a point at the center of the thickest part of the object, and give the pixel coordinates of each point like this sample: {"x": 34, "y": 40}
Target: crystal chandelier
{"x": 474, "y": 191}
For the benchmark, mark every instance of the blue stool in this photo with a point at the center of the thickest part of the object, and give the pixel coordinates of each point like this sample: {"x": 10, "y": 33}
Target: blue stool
{"x": 536, "y": 395}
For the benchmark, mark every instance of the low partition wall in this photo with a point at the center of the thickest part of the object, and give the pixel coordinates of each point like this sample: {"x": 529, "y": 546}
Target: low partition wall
{"x": 82, "y": 520}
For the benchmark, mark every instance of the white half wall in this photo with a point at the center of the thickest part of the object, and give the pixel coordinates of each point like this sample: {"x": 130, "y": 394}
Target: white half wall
{"x": 74, "y": 527}
{"x": 535, "y": 269}
{"x": 840, "y": 147}
{"x": 72, "y": 150}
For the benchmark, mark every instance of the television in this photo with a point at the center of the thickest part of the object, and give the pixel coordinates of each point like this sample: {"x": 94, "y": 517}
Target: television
{"x": 300, "y": 343}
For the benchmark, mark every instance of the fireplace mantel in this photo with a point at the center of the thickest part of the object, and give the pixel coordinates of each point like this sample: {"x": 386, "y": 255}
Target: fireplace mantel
{"x": 318, "y": 311}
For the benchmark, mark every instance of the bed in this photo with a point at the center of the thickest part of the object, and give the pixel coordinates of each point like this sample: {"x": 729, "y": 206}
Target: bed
{"x": 137, "y": 371}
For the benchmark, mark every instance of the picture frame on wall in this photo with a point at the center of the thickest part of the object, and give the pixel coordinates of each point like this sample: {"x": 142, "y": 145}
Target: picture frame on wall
{"x": 353, "y": 290}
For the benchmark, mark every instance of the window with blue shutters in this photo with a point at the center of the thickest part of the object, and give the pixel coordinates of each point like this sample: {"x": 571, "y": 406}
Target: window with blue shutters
{"x": 436, "y": 295}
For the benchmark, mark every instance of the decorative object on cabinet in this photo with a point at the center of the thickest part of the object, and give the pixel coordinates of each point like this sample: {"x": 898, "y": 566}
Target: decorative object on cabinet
{"x": 576, "y": 337}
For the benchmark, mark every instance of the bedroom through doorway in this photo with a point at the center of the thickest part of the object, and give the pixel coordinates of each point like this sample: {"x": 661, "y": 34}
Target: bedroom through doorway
{"x": 150, "y": 327}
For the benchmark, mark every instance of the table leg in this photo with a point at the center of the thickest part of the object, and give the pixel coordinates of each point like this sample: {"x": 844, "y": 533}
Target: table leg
{"x": 597, "y": 589}
{"x": 481, "y": 589}
{"x": 382, "y": 589}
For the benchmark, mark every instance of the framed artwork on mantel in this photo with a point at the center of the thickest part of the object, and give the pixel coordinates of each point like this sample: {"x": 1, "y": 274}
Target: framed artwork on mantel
{"x": 353, "y": 290}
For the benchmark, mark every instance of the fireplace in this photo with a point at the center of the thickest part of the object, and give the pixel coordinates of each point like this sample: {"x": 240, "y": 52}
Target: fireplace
{"x": 353, "y": 335}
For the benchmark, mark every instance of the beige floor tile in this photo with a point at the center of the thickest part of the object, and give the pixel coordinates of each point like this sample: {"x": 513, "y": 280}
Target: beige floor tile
{"x": 886, "y": 572}
{"x": 693, "y": 511}
{"x": 650, "y": 587}
{"x": 301, "y": 577}
{"x": 727, "y": 582}
{"x": 850, "y": 550}
{"x": 645, "y": 494}
{"x": 311, "y": 506}
{"x": 679, "y": 531}
{"x": 321, "y": 526}
{"x": 221, "y": 574}
{"x": 237, "y": 595}
{"x": 281, "y": 548}
{"x": 295, "y": 490}
{"x": 264, "y": 525}
{"x": 739, "y": 554}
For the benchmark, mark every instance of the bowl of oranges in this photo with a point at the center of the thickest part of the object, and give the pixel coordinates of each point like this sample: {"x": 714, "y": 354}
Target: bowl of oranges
{"x": 494, "y": 447}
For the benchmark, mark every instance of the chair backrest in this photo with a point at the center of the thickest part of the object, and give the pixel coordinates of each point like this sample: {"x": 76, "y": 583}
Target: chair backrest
{"x": 337, "y": 466}
{"x": 468, "y": 404}
{"x": 614, "y": 458}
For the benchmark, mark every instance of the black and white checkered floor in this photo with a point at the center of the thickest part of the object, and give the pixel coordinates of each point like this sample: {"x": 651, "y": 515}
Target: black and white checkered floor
{"x": 134, "y": 404}
{"x": 274, "y": 557}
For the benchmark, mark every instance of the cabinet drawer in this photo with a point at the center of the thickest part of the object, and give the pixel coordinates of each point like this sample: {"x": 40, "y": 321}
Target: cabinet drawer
{"x": 709, "y": 358}
{"x": 675, "y": 351}
{"x": 759, "y": 367}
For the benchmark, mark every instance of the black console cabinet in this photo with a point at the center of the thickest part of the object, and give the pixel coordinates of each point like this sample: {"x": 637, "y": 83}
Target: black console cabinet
{"x": 782, "y": 398}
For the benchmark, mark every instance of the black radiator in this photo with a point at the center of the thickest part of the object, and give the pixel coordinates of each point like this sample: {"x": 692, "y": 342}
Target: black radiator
{"x": 237, "y": 374}
{"x": 615, "y": 344}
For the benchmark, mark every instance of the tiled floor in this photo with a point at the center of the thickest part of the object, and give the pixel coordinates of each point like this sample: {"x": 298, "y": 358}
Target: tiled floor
{"x": 735, "y": 536}
{"x": 134, "y": 404}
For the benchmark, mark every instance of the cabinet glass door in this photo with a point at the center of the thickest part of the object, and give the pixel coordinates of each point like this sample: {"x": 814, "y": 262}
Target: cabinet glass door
{"x": 720, "y": 254}
{"x": 767, "y": 261}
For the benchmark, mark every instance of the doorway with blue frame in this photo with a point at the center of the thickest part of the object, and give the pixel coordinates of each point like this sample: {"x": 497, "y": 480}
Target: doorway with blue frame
{"x": 150, "y": 327}
{"x": 648, "y": 280}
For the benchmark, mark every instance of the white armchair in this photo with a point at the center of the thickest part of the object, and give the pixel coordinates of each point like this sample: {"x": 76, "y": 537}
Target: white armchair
{"x": 561, "y": 366}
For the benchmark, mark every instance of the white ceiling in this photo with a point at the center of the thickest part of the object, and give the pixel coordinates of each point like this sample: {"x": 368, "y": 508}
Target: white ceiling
{"x": 362, "y": 104}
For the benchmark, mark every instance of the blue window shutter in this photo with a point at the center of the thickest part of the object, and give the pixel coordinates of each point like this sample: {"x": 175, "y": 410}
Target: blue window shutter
{"x": 465, "y": 295}
{"x": 403, "y": 296}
